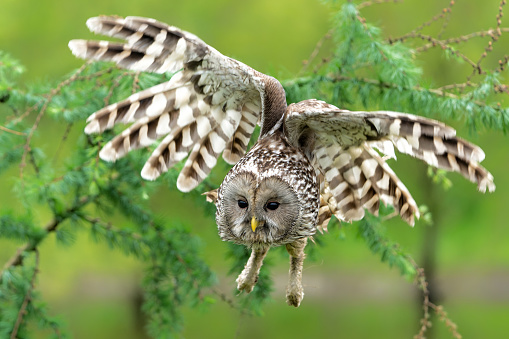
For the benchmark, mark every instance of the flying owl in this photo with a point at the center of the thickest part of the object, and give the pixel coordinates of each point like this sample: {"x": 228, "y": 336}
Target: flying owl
{"x": 312, "y": 160}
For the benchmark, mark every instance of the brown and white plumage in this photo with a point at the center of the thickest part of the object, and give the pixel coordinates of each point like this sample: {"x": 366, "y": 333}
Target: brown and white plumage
{"x": 311, "y": 161}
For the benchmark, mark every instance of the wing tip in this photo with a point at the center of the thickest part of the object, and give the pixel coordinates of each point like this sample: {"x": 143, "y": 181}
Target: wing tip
{"x": 150, "y": 172}
{"x": 486, "y": 183}
{"x": 78, "y": 48}
{"x": 186, "y": 183}
{"x": 107, "y": 153}
{"x": 230, "y": 157}
{"x": 93, "y": 127}
{"x": 95, "y": 24}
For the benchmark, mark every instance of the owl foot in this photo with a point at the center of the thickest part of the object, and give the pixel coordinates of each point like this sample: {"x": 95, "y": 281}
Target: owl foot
{"x": 245, "y": 282}
{"x": 294, "y": 291}
{"x": 249, "y": 276}
{"x": 294, "y": 294}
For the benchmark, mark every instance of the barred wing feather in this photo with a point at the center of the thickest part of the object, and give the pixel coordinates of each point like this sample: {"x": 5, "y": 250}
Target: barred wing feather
{"x": 358, "y": 178}
{"x": 209, "y": 107}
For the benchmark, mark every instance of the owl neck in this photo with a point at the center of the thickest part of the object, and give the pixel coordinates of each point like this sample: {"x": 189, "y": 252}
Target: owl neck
{"x": 274, "y": 106}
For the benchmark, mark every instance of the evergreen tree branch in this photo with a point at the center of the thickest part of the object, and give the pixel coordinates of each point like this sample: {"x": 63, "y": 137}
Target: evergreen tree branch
{"x": 28, "y": 297}
{"x": 42, "y": 111}
{"x": 51, "y": 226}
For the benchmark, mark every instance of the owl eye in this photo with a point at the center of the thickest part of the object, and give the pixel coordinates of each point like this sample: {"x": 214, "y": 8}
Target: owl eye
{"x": 272, "y": 205}
{"x": 242, "y": 203}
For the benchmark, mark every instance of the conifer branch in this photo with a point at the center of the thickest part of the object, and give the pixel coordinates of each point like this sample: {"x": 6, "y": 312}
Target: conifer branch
{"x": 51, "y": 226}
{"x": 28, "y": 297}
{"x": 50, "y": 97}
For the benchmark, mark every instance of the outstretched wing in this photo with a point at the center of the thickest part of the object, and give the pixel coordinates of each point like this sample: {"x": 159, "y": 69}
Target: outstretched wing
{"x": 211, "y": 106}
{"x": 341, "y": 145}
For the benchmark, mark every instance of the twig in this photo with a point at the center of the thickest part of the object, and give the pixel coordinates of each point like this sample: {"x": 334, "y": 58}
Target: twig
{"x": 50, "y": 97}
{"x": 437, "y": 17}
{"x": 136, "y": 82}
{"x": 109, "y": 226}
{"x": 115, "y": 85}
{"x": 422, "y": 283}
{"x": 315, "y": 52}
{"x": 28, "y": 297}
{"x": 8, "y": 130}
{"x": 64, "y": 138}
{"x": 494, "y": 38}
{"x": 375, "y": 2}
{"x": 435, "y": 42}
{"x": 460, "y": 39}
{"x": 229, "y": 301}
{"x": 51, "y": 226}
{"x": 446, "y": 19}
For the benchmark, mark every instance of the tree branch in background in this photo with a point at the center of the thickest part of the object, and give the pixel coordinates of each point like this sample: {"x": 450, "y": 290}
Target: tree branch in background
{"x": 28, "y": 296}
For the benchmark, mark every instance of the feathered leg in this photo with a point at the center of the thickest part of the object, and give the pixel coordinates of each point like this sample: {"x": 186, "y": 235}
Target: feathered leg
{"x": 249, "y": 276}
{"x": 294, "y": 291}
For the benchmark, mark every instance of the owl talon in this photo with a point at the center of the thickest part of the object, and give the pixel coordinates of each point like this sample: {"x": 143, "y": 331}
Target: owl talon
{"x": 243, "y": 284}
{"x": 293, "y": 298}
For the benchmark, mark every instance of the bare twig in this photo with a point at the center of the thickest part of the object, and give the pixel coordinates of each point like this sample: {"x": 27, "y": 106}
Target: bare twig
{"x": 315, "y": 52}
{"x": 435, "y": 42}
{"x": 136, "y": 82}
{"x": 460, "y": 39}
{"x": 375, "y": 2}
{"x": 416, "y": 30}
{"x": 447, "y": 16}
{"x": 494, "y": 38}
{"x": 8, "y": 130}
{"x": 422, "y": 283}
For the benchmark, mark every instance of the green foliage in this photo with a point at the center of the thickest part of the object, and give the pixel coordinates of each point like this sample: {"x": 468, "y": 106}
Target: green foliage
{"x": 372, "y": 232}
{"x": 80, "y": 193}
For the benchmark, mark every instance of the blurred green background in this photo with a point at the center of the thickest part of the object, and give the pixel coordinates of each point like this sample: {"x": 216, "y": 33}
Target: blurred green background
{"x": 349, "y": 293}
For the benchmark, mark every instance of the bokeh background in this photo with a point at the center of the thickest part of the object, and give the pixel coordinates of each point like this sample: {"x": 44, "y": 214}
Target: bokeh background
{"x": 349, "y": 292}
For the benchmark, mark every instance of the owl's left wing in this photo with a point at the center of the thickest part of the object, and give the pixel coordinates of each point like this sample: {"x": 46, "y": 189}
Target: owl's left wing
{"x": 341, "y": 145}
{"x": 211, "y": 106}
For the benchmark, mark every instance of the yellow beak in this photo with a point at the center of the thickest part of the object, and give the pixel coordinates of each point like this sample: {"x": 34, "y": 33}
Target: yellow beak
{"x": 254, "y": 224}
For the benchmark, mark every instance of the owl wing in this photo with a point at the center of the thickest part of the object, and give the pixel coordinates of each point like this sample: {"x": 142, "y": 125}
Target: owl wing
{"x": 341, "y": 145}
{"x": 211, "y": 106}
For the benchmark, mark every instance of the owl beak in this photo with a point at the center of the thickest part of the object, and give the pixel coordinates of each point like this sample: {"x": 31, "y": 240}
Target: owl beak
{"x": 254, "y": 224}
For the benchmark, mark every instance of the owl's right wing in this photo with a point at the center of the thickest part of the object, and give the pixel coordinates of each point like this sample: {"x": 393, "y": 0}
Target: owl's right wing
{"x": 211, "y": 106}
{"x": 341, "y": 145}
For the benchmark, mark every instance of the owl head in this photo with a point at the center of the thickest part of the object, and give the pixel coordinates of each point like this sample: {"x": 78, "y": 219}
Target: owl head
{"x": 262, "y": 202}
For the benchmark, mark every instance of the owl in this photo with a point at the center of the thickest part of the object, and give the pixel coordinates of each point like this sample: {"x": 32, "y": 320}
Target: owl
{"x": 312, "y": 160}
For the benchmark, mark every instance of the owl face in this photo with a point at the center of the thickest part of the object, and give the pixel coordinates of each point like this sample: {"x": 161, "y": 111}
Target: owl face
{"x": 257, "y": 210}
